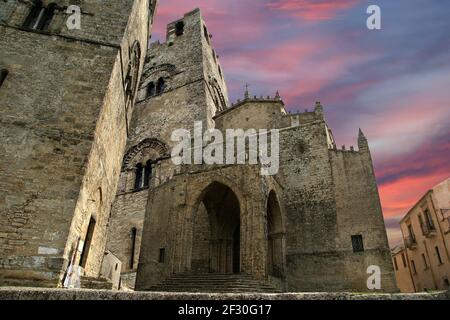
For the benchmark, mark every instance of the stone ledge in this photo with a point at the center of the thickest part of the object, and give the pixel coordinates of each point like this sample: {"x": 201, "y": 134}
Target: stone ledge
{"x": 17, "y": 293}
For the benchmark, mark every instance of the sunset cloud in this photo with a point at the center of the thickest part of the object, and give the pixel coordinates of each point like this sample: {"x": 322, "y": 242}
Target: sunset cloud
{"x": 392, "y": 83}
{"x": 312, "y": 9}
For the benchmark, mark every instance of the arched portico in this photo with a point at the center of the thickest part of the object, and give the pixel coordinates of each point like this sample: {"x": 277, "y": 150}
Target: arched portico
{"x": 216, "y": 245}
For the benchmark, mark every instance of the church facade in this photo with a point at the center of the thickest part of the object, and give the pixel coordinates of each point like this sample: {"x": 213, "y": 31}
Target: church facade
{"x": 316, "y": 225}
{"x": 87, "y": 123}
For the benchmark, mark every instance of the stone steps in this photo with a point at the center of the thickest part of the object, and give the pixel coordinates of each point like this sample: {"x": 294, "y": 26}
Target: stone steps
{"x": 214, "y": 283}
{"x": 96, "y": 283}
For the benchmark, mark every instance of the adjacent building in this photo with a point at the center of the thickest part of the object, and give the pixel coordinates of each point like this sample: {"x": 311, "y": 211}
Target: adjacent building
{"x": 426, "y": 234}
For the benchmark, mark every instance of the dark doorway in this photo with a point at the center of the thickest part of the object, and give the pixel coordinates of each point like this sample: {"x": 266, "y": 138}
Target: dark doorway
{"x": 87, "y": 243}
{"x": 216, "y": 238}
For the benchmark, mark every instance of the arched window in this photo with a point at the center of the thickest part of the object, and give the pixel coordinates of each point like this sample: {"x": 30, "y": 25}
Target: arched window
{"x": 132, "y": 74}
{"x": 138, "y": 181}
{"x": 160, "y": 86}
{"x": 3, "y": 75}
{"x": 48, "y": 16}
{"x": 151, "y": 90}
{"x": 148, "y": 173}
{"x": 32, "y": 20}
{"x": 40, "y": 17}
{"x": 179, "y": 28}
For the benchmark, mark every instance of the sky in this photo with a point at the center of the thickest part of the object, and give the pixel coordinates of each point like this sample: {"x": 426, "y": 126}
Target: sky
{"x": 394, "y": 83}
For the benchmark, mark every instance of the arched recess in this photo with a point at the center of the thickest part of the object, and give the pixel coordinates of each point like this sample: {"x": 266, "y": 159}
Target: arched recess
{"x": 151, "y": 143}
{"x": 216, "y": 245}
{"x": 219, "y": 98}
{"x": 275, "y": 237}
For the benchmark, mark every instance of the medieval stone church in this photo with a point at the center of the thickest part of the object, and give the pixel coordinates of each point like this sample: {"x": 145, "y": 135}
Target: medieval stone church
{"x": 87, "y": 182}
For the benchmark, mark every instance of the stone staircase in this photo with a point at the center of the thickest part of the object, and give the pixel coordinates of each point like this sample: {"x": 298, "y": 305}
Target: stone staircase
{"x": 214, "y": 283}
{"x": 96, "y": 283}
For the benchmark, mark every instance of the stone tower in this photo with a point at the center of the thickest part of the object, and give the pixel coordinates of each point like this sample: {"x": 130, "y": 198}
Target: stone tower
{"x": 182, "y": 82}
{"x": 66, "y": 104}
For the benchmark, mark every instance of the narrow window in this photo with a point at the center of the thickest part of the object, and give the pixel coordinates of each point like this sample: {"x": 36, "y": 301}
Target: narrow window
{"x": 179, "y": 28}
{"x": 430, "y": 222}
{"x": 413, "y": 265}
{"x": 138, "y": 180}
{"x": 438, "y": 254}
{"x": 411, "y": 234}
{"x": 35, "y": 15}
{"x": 47, "y": 17}
{"x": 87, "y": 243}
{"x": 205, "y": 31}
{"x": 151, "y": 90}
{"x": 220, "y": 72}
{"x": 395, "y": 263}
{"x": 162, "y": 255}
{"x": 40, "y": 17}
{"x": 357, "y": 243}
{"x": 148, "y": 173}
{"x": 3, "y": 75}
{"x": 160, "y": 86}
{"x": 133, "y": 247}
{"x": 425, "y": 264}
{"x": 404, "y": 260}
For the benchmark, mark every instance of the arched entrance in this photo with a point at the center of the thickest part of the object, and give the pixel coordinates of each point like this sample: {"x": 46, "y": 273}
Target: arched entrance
{"x": 217, "y": 232}
{"x": 275, "y": 237}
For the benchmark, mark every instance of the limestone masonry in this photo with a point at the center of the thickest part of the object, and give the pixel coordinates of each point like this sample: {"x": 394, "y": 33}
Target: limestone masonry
{"x": 87, "y": 182}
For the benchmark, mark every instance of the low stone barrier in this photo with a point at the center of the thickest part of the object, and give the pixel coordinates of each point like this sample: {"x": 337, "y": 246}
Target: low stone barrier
{"x": 16, "y": 293}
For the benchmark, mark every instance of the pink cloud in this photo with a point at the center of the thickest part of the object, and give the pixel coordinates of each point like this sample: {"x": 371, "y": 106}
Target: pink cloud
{"x": 312, "y": 9}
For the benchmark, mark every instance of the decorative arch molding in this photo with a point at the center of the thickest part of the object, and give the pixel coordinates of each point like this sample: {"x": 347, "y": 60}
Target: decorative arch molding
{"x": 216, "y": 91}
{"x": 151, "y": 143}
{"x": 165, "y": 70}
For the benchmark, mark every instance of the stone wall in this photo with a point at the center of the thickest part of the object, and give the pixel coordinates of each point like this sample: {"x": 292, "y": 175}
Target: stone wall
{"x": 64, "y": 128}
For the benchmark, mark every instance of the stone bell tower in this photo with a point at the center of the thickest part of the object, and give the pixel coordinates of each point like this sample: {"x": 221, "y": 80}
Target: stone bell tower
{"x": 182, "y": 83}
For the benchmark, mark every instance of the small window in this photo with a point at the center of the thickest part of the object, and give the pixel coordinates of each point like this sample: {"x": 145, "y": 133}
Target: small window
{"x": 179, "y": 28}
{"x": 395, "y": 263}
{"x": 357, "y": 243}
{"x": 220, "y": 72}
{"x": 425, "y": 263}
{"x": 162, "y": 255}
{"x": 133, "y": 236}
{"x": 438, "y": 254}
{"x": 3, "y": 75}
{"x": 138, "y": 180}
{"x": 40, "y": 17}
{"x": 151, "y": 90}
{"x": 413, "y": 266}
{"x": 148, "y": 173}
{"x": 205, "y": 31}
{"x": 404, "y": 260}
{"x": 160, "y": 86}
{"x": 430, "y": 222}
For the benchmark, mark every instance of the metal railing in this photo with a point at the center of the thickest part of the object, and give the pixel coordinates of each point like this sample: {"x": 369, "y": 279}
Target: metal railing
{"x": 411, "y": 242}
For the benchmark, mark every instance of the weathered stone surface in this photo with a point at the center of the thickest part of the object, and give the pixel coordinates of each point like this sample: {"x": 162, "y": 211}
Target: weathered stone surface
{"x": 63, "y": 131}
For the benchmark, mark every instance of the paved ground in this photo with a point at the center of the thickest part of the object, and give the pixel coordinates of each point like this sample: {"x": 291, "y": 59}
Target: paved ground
{"x": 9, "y": 293}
